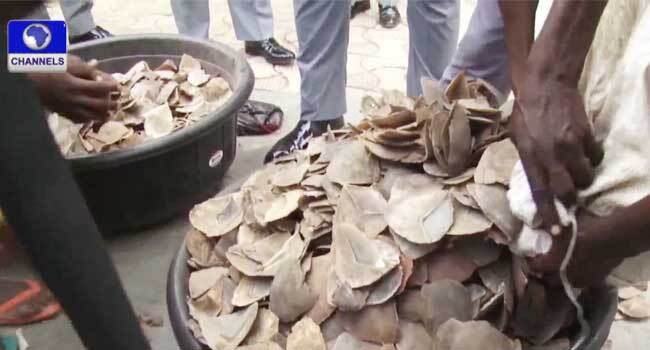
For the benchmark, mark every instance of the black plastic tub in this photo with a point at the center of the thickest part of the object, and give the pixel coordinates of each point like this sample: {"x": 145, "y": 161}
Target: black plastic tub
{"x": 137, "y": 187}
{"x": 600, "y": 308}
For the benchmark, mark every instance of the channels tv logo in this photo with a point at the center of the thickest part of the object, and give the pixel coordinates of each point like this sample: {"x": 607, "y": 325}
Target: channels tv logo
{"x": 37, "y": 46}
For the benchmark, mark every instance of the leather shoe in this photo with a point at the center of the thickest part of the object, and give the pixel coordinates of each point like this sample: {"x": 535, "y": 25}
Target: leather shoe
{"x": 299, "y": 137}
{"x": 359, "y": 7}
{"x": 389, "y": 16}
{"x": 271, "y": 50}
{"x": 94, "y": 34}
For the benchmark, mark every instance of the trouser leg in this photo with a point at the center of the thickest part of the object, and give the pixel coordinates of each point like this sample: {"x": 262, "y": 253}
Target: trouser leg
{"x": 78, "y": 15}
{"x": 388, "y": 2}
{"x": 40, "y": 12}
{"x": 323, "y": 34}
{"x": 482, "y": 53}
{"x": 192, "y": 17}
{"x": 252, "y": 19}
{"x": 433, "y": 35}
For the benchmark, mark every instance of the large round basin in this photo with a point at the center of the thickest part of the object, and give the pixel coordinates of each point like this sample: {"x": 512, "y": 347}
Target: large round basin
{"x": 146, "y": 184}
{"x": 600, "y": 307}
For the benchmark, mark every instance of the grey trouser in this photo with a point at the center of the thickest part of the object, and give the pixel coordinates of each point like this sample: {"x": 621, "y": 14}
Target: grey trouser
{"x": 323, "y": 35}
{"x": 252, "y": 19}
{"x": 482, "y": 52}
{"x": 77, "y": 15}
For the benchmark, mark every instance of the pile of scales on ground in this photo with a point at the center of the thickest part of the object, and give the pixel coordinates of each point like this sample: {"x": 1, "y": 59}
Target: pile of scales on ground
{"x": 391, "y": 234}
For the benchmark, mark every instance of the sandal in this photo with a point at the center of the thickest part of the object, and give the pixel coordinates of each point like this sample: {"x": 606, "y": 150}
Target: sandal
{"x": 24, "y": 302}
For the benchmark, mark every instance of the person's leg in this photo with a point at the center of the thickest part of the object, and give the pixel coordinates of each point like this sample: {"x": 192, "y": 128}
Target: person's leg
{"x": 81, "y": 25}
{"x": 253, "y": 23}
{"x": 323, "y": 34}
{"x": 40, "y": 12}
{"x": 323, "y": 29}
{"x": 192, "y": 17}
{"x": 78, "y": 15}
{"x": 433, "y": 36}
{"x": 482, "y": 52}
{"x": 252, "y": 19}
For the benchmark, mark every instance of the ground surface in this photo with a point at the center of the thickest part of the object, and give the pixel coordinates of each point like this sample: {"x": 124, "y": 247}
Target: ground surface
{"x": 377, "y": 59}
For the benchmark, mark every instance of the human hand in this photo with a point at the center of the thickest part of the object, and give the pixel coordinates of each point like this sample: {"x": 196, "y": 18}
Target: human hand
{"x": 590, "y": 263}
{"x": 81, "y": 94}
{"x": 557, "y": 148}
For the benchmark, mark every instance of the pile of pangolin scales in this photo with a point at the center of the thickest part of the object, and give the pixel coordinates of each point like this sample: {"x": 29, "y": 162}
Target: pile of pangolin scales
{"x": 151, "y": 104}
{"x": 391, "y": 234}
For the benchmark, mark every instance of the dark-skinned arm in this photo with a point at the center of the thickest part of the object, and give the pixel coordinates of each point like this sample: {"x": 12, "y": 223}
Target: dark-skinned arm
{"x": 81, "y": 94}
{"x": 519, "y": 22}
{"x": 563, "y": 44}
{"x": 624, "y": 233}
{"x": 549, "y": 125}
{"x": 603, "y": 243}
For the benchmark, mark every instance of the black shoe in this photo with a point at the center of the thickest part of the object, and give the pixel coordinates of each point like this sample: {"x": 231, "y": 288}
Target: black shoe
{"x": 389, "y": 16}
{"x": 299, "y": 137}
{"x": 359, "y": 7}
{"x": 94, "y": 34}
{"x": 271, "y": 50}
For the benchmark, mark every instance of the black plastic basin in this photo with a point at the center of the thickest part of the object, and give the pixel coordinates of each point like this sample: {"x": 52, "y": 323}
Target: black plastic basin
{"x": 132, "y": 188}
{"x": 600, "y": 308}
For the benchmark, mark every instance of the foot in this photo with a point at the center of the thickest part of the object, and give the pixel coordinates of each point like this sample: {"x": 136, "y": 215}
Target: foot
{"x": 271, "y": 50}
{"x": 94, "y": 34}
{"x": 359, "y": 7}
{"x": 299, "y": 137}
{"x": 389, "y": 16}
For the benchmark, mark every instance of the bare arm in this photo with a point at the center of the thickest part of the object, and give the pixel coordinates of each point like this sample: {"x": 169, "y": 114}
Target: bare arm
{"x": 624, "y": 233}
{"x": 560, "y": 51}
{"x": 77, "y": 94}
{"x": 562, "y": 46}
{"x": 519, "y": 21}
{"x": 550, "y": 120}
{"x": 603, "y": 243}
{"x": 549, "y": 124}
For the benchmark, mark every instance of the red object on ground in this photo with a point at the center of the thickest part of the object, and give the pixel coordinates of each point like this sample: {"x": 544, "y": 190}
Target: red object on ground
{"x": 258, "y": 118}
{"x": 24, "y": 302}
